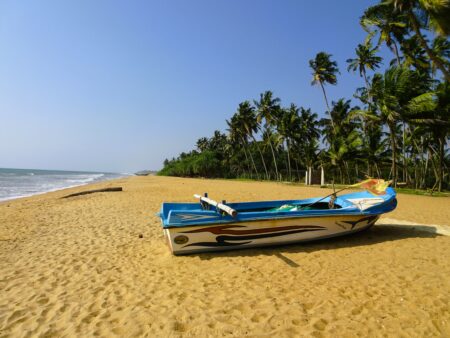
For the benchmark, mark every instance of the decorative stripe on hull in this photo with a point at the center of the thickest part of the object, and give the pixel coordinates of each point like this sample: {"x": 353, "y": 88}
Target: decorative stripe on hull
{"x": 193, "y": 239}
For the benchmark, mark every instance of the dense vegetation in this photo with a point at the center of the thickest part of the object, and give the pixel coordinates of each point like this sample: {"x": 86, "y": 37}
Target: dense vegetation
{"x": 399, "y": 130}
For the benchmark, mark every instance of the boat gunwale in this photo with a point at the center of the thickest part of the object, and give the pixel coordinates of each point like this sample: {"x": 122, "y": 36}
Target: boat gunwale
{"x": 350, "y": 209}
{"x": 234, "y": 221}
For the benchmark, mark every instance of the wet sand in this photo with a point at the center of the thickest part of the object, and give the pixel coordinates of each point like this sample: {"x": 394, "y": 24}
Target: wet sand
{"x": 78, "y": 267}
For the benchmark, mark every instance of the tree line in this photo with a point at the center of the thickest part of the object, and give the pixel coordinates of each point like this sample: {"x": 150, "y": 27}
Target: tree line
{"x": 399, "y": 129}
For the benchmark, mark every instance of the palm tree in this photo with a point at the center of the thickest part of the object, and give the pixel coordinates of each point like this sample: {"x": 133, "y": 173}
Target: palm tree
{"x": 288, "y": 125}
{"x": 432, "y": 110}
{"x": 202, "y": 144}
{"x": 307, "y": 136}
{"x": 390, "y": 26}
{"x": 268, "y": 109}
{"x": 365, "y": 59}
{"x": 434, "y": 11}
{"x": 238, "y": 135}
{"x": 248, "y": 119}
{"x": 441, "y": 48}
{"x": 414, "y": 55}
{"x": 392, "y": 92}
{"x": 324, "y": 71}
{"x": 343, "y": 139}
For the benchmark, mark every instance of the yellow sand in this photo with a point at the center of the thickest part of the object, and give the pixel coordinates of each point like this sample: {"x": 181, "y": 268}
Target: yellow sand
{"x": 76, "y": 267}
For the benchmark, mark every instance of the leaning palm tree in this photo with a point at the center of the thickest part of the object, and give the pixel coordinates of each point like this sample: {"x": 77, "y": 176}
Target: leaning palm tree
{"x": 366, "y": 58}
{"x": 268, "y": 108}
{"x": 324, "y": 71}
{"x": 437, "y": 13}
{"x": 390, "y": 26}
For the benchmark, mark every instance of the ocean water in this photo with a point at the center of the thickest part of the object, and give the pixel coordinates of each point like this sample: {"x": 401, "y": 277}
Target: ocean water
{"x": 15, "y": 183}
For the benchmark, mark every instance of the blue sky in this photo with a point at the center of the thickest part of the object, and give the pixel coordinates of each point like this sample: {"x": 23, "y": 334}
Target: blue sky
{"x": 122, "y": 85}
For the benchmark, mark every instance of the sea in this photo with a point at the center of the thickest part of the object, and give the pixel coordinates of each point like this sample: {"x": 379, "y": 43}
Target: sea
{"x": 15, "y": 183}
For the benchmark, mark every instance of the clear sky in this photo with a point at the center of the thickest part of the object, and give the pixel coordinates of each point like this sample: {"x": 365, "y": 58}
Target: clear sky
{"x": 121, "y": 85}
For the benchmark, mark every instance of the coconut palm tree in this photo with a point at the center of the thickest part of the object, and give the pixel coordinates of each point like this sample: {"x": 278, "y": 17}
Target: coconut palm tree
{"x": 249, "y": 122}
{"x": 202, "y": 144}
{"x": 432, "y": 111}
{"x": 324, "y": 71}
{"x": 268, "y": 108}
{"x": 366, "y": 58}
{"x": 415, "y": 56}
{"x": 435, "y": 11}
{"x": 344, "y": 138}
{"x": 238, "y": 135}
{"x": 441, "y": 48}
{"x": 391, "y": 92}
{"x": 307, "y": 136}
{"x": 287, "y": 126}
{"x": 389, "y": 25}
{"x": 375, "y": 149}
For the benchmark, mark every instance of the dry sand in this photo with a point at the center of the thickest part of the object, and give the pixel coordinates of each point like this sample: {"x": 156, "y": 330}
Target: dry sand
{"x": 76, "y": 267}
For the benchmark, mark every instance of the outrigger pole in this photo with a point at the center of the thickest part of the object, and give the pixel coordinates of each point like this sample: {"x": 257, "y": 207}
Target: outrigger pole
{"x": 375, "y": 186}
{"x": 334, "y": 193}
{"x": 221, "y": 206}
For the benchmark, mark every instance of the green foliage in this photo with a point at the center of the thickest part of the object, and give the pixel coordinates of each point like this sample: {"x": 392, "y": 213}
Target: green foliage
{"x": 324, "y": 70}
{"x": 400, "y": 131}
{"x": 204, "y": 164}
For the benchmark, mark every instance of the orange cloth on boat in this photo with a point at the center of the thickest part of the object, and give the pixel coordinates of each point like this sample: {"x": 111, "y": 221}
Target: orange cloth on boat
{"x": 373, "y": 185}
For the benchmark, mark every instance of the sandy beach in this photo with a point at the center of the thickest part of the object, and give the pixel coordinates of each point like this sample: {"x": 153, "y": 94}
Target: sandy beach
{"x": 77, "y": 267}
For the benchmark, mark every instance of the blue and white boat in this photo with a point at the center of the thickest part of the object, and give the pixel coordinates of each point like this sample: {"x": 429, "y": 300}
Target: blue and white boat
{"x": 211, "y": 226}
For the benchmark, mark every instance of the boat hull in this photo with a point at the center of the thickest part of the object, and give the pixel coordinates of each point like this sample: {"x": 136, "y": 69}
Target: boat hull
{"x": 240, "y": 235}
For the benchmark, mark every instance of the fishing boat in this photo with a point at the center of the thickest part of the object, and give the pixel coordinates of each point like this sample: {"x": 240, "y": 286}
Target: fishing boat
{"x": 211, "y": 226}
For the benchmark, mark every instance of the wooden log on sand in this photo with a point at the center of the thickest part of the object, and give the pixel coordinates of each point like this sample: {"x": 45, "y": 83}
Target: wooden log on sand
{"x": 218, "y": 205}
{"x": 93, "y": 191}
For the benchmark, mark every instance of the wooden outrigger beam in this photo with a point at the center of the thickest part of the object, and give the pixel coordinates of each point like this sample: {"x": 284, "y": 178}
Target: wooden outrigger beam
{"x": 223, "y": 207}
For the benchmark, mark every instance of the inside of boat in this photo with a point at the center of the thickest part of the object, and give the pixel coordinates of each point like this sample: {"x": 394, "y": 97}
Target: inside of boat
{"x": 293, "y": 207}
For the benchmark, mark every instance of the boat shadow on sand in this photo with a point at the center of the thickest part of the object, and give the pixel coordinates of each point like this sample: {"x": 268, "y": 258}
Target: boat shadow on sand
{"x": 379, "y": 233}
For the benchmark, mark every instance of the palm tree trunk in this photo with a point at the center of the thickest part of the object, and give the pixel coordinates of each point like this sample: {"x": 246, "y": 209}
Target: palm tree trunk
{"x": 289, "y": 160}
{"x": 378, "y": 170}
{"x": 246, "y": 160}
{"x": 435, "y": 166}
{"x": 404, "y": 154}
{"x": 296, "y": 168}
{"x": 262, "y": 157}
{"x": 365, "y": 79}
{"x": 347, "y": 171}
{"x": 425, "y": 170}
{"x": 326, "y": 102}
{"x": 423, "y": 42}
{"x": 274, "y": 159}
{"x": 394, "y": 155}
{"x": 251, "y": 157}
{"x": 397, "y": 56}
{"x": 441, "y": 162}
